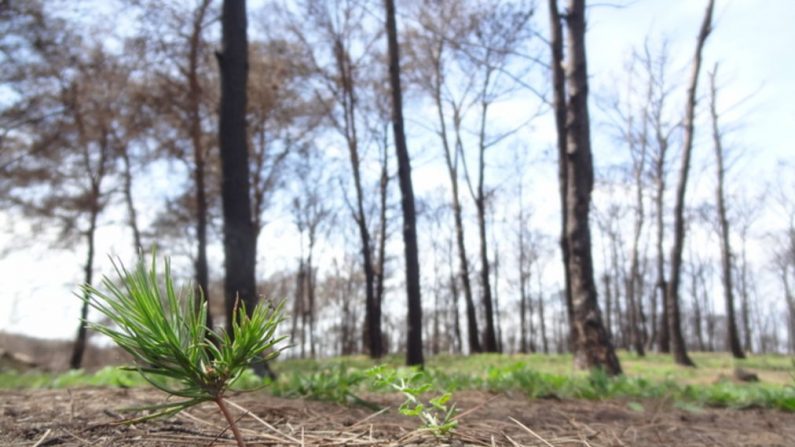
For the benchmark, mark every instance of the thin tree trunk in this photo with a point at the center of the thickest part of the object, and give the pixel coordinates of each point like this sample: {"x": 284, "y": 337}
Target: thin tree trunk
{"x": 298, "y": 302}
{"x": 490, "y": 343}
{"x": 675, "y": 325}
{"x": 542, "y": 322}
{"x": 633, "y": 282}
{"x": 381, "y": 266}
{"x": 414, "y": 355}
{"x": 132, "y": 213}
{"x": 744, "y": 292}
{"x": 732, "y": 335}
{"x": 523, "y": 280}
{"x": 95, "y": 207}
{"x": 239, "y": 234}
{"x": 454, "y": 301}
{"x": 662, "y": 330}
{"x": 199, "y": 169}
{"x": 697, "y": 311}
{"x": 310, "y": 291}
{"x": 451, "y": 160}
{"x": 496, "y": 294}
{"x": 76, "y": 361}
{"x": 372, "y": 316}
{"x": 608, "y": 288}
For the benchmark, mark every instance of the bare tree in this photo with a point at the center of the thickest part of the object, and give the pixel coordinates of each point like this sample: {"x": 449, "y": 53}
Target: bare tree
{"x": 341, "y": 60}
{"x": 179, "y": 60}
{"x": 732, "y": 334}
{"x": 69, "y": 126}
{"x": 311, "y": 214}
{"x": 498, "y": 34}
{"x": 675, "y": 325}
{"x": 432, "y": 44}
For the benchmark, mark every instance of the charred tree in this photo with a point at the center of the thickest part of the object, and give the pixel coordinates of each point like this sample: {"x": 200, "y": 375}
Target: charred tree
{"x": 674, "y": 316}
{"x": 239, "y": 234}
{"x": 414, "y": 355}
{"x": 590, "y": 341}
{"x": 732, "y": 333}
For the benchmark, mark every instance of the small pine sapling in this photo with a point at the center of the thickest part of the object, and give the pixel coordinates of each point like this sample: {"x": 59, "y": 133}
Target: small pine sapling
{"x": 165, "y": 331}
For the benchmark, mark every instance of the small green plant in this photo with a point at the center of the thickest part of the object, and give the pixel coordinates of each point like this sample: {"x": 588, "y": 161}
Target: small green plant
{"x": 165, "y": 332}
{"x": 436, "y": 416}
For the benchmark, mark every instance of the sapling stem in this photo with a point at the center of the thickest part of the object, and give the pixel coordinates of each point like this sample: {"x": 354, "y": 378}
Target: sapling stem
{"x": 232, "y": 424}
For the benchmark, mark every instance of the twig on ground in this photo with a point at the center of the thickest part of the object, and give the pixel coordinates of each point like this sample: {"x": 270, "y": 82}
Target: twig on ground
{"x": 475, "y": 408}
{"x": 526, "y": 428}
{"x": 267, "y": 425}
{"x": 43, "y": 437}
{"x": 377, "y": 413}
{"x": 82, "y": 441}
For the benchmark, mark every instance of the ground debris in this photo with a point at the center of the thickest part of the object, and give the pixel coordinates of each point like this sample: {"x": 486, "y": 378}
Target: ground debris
{"x": 90, "y": 416}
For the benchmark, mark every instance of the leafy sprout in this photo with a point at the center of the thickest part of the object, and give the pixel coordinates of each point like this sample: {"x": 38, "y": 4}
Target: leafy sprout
{"x": 165, "y": 331}
{"x": 436, "y": 416}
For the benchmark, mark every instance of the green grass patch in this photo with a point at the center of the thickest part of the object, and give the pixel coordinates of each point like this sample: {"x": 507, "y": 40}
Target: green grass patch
{"x": 343, "y": 379}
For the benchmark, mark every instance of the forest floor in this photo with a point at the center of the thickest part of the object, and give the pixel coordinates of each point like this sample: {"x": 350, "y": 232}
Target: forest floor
{"x": 90, "y": 416}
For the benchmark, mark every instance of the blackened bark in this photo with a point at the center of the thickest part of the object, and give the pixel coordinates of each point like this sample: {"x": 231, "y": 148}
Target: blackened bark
{"x": 414, "y": 355}
{"x": 732, "y": 335}
{"x": 591, "y": 342}
{"x": 559, "y": 105}
{"x": 490, "y": 343}
{"x": 239, "y": 234}
{"x": 674, "y": 318}
{"x": 661, "y": 331}
{"x": 489, "y": 337}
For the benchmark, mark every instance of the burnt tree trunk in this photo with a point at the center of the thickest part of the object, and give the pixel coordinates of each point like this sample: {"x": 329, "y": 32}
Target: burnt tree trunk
{"x": 414, "y": 355}
{"x": 661, "y": 332}
{"x": 590, "y": 341}
{"x": 732, "y": 335}
{"x": 76, "y": 361}
{"x": 372, "y": 317}
{"x": 559, "y": 105}
{"x": 239, "y": 235}
{"x": 674, "y": 317}
{"x": 490, "y": 342}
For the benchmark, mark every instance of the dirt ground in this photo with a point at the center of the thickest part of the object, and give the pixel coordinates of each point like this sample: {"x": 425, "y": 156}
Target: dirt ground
{"x": 79, "y": 417}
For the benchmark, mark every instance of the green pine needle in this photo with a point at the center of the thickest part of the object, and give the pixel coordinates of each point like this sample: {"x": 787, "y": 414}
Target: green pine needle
{"x": 164, "y": 329}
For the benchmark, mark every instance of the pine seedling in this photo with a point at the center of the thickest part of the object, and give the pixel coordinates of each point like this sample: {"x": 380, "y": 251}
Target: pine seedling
{"x": 164, "y": 329}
